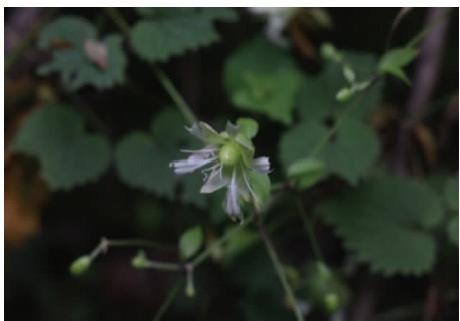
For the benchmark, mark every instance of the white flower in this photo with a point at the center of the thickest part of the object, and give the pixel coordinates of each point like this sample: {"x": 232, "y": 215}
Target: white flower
{"x": 277, "y": 20}
{"x": 224, "y": 163}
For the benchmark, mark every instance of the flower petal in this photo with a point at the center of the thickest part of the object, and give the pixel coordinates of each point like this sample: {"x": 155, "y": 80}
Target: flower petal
{"x": 205, "y": 132}
{"x": 231, "y": 129}
{"x": 261, "y": 164}
{"x": 191, "y": 163}
{"x": 232, "y": 207}
{"x": 214, "y": 182}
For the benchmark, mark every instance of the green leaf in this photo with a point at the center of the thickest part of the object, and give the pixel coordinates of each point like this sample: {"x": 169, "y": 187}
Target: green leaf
{"x": 190, "y": 242}
{"x": 317, "y": 99}
{"x": 451, "y": 193}
{"x": 173, "y": 32}
{"x": 140, "y": 164}
{"x": 304, "y": 173}
{"x": 452, "y": 230}
{"x": 248, "y": 127}
{"x": 75, "y": 66}
{"x": 260, "y": 184}
{"x": 263, "y": 78}
{"x": 353, "y": 152}
{"x": 71, "y": 29}
{"x": 142, "y": 159}
{"x": 350, "y": 154}
{"x": 394, "y": 60}
{"x": 386, "y": 222}
{"x": 68, "y": 155}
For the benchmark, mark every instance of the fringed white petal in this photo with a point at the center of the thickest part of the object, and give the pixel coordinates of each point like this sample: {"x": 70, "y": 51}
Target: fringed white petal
{"x": 191, "y": 163}
{"x": 232, "y": 206}
{"x": 261, "y": 164}
{"x": 214, "y": 182}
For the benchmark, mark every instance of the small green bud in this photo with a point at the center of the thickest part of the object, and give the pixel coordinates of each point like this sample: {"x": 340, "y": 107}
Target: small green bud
{"x": 190, "y": 290}
{"x": 80, "y": 265}
{"x": 349, "y": 74}
{"x": 190, "y": 287}
{"x": 344, "y": 94}
{"x": 331, "y": 302}
{"x": 230, "y": 154}
{"x": 139, "y": 261}
{"x": 328, "y": 52}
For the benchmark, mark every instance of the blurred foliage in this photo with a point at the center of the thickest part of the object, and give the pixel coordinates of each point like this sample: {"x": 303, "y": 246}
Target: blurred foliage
{"x": 91, "y": 131}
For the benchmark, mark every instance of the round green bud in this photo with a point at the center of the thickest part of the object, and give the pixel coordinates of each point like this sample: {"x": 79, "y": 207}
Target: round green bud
{"x": 190, "y": 290}
{"x": 139, "y": 261}
{"x": 80, "y": 265}
{"x": 230, "y": 154}
{"x": 328, "y": 52}
{"x": 331, "y": 302}
{"x": 344, "y": 94}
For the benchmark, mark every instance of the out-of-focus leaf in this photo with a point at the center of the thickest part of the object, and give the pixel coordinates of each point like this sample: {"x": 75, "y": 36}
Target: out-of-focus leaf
{"x": 317, "y": 99}
{"x": 394, "y": 60}
{"x": 140, "y": 164}
{"x": 304, "y": 173}
{"x": 77, "y": 66}
{"x": 248, "y": 127}
{"x": 325, "y": 288}
{"x": 260, "y": 184}
{"x": 451, "y": 193}
{"x": 350, "y": 154}
{"x": 452, "y": 230}
{"x": 142, "y": 159}
{"x": 353, "y": 152}
{"x": 190, "y": 242}
{"x": 68, "y": 155}
{"x": 263, "y": 78}
{"x": 165, "y": 32}
{"x": 387, "y": 222}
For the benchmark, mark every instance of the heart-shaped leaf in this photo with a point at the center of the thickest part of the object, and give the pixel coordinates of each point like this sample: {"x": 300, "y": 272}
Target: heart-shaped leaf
{"x": 68, "y": 156}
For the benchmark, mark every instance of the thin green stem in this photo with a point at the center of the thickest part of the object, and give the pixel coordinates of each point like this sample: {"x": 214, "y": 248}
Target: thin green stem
{"x": 184, "y": 108}
{"x": 167, "y": 84}
{"x": 164, "y": 266}
{"x": 309, "y": 228}
{"x": 203, "y": 255}
{"x": 118, "y": 19}
{"x": 168, "y": 301}
{"x": 279, "y": 269}
{"x": 330, "y": 133}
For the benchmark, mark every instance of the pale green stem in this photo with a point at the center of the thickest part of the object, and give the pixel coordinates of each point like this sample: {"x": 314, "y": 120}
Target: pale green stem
{"x": 279, "y": 270}
{"x": 167, "y": 84}
{"x": 309, "y": 228}
{"x": 168, "y": 301}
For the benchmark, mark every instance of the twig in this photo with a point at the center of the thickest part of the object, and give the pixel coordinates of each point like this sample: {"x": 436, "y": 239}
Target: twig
{"x": 167, "y": 84}
{"x": 167, "y": 301}
{"x": 309, "y": 228}
{"x": 279, "y": 269}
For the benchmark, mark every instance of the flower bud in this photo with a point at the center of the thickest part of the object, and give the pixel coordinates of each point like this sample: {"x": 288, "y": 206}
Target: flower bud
{"x": 344, "y": 94}
{"x": 139, "y": 261}
{"x": 230, "y": 154}
{"x": 80, "y": 265}
{"x": 328, "y": 52}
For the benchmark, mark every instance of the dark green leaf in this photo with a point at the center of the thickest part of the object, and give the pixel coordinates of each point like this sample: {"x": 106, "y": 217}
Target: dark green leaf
{"x": 387, "y": 223}
{"x": 304, "y": 173}
{"x": 68, "y": 156}
{"x": 190, "y": 242}
{"x": 263, "y": 78}
{"x": 73, "y": 63}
